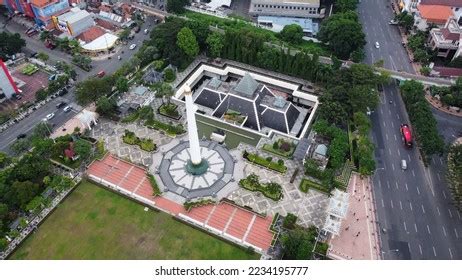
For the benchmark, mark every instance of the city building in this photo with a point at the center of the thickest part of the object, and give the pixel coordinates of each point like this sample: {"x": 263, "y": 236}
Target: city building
{"x": 44, "y": 10}
{"x": 431, "y": 15}
{"x": 19, "y": 6}
{"x": 289, "y": 8}
{"x": 73, "y": 22}
{"x": 7, "y": 84}
{"x": 412, "y": 5}
{"x": 446, "y": 41}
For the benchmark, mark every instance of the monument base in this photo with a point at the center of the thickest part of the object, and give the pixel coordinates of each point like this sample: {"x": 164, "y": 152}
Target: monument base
{"x": 197, "y": 169}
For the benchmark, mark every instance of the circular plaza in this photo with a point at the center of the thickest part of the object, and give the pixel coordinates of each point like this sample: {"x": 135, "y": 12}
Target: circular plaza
{"x": 175, "y": 173}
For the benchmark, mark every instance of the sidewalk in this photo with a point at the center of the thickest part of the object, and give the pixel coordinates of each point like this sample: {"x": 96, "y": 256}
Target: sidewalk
{"x": 358, "y": 239}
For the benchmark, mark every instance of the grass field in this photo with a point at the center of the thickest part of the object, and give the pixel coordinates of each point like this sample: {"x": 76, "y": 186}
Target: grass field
{"x": 94, "y": 223}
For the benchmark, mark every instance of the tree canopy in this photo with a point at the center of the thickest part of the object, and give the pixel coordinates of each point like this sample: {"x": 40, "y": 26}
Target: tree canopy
{"x": 292, "y": 33}
{"x": 345, "y": 5}
{"x": 186, "y": 41}
{"x": 215, "y": 44}
{"x": 343, "y": 34}
{"x": 176, "y": 6}
{"x": 10, "y": 44}
{"x": 90, "y": 90}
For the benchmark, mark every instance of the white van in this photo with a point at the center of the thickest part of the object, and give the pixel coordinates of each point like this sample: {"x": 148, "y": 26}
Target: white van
{"x": 403, "y": 164}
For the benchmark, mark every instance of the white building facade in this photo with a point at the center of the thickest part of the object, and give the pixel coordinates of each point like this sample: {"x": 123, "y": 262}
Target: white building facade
{"x": 289, "y": 8}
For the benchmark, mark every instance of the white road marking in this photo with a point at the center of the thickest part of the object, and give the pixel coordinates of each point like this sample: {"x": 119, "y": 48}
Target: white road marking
{"x": 438, "y": 209}
{"x": 433, "y": 160}
{"x": 389, "y": 111}
{"x": 397, "y": 116}
{"x": 380, "y": 184}
{"x": 441, "y": 160}
{"x": 384, "y": 123}
{"x": 396, "y": 139}
{"x": 386, "y": 136}
{"x": 392, "y": 125}
{"x": 434, "y": 251}
{"x": 406, "y": 187}
{"x": 410, "y": 205}
{"x": 383, "y": 204}
{"x": 400, "y": 205}
{"x": 399, "y": 154}
{"x": 439, "y": 177}
{"x": 381, "y": 111}
{"x": 420, "y": 249}
{"x": 396, "y": 183}
{"x": 423, "y": 209}
{"x": 389, "y": 151}
{"x": 444, "y": 194}
{"x": 409, "y": 157}
{"x": 388, "y": 184}
{"x": 455, "y": 231}
{"x": 428, "y": 229}
{"x": 418, "y": 191}
{"x": 450, "y": 252}
{"x": 413, "y": 173}
{"x": 458, "y": 214}
{"x": 444, "y": 231}
{"x": 393, "y": 166}
{"x": 391, "y": 203}
{"x": 415, "y": 227}
{"x": 405, "y": 228}
{"x": 450, "y": 213}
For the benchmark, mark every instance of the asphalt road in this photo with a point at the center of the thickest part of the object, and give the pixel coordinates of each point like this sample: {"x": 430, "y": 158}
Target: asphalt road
{"x": 414, "y": 210}
{"x": 8, "y": 136}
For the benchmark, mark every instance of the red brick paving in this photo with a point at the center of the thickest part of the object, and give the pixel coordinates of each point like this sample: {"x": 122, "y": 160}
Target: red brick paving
{"x": 223, "y": 217}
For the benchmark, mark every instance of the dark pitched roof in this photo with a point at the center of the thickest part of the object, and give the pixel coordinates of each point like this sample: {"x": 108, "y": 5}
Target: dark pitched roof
{"x": 275, "y": 120}
{"x": 451, "y": 3}
{"x": 243, "y": 106}
{"x": 208, "y": 99}
{"x": 292, "y": 115}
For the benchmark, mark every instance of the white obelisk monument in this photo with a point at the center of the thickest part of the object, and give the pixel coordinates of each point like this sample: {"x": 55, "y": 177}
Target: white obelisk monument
{"x": 194, "y": 148}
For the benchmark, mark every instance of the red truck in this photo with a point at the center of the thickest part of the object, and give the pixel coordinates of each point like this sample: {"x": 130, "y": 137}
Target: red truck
{"x": 407, "y": 136}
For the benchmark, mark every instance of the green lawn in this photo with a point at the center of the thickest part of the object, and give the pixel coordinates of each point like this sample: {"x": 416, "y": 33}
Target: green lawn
{"x": 94, "y": 223}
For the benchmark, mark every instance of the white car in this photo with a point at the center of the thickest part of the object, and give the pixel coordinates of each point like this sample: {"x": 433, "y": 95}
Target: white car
{"x": 49, "y": 117}
{"x": 67, "y": 108}
{"x": 377, "y": 45}
{"x": 132, "y": 46}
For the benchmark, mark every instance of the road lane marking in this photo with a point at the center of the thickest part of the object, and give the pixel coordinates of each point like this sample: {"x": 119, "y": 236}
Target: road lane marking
{"x": 450, "y": 253}
{"x": 458, "y": 214}
{"x": 396, "y": 183}
{"x": 410, "y": 205}
{"x": 386, "y": 136}
{"x": 420, "y": 249}
{"x": 392, "y": 125}
{"x": 418, "y": 191}
{"x": 433, "y": 160}
{"x": 388, "y": 184}
{"x": 428, "y": 229}
{"x": 400, "y": 205}
{"x": 384, "y": 123}
{"x": 383, "y": 205}
{"x": 439, "y": 177}
{"x": 423, "y": 209}
{"x": 438, "y": 209}
{"x": 397, "y": 116}
{"x": 444, "y": 194}
{"x": 413, "y": 173}
{"x": 389, "y": 111}
{"x": 380, "y": 185}
{"x": 406, "y": 187}
{"x": 405, "y": 228}
{"x": 444, "y": 231}
{"x": 450, "y": 213}
{"x": 441, "y": 160}
{"x": 409, "y": 157}
{"x": 415, "y": 227}
{"x": 396, "y": 139}
{"x": 399, "y": 154}
{"x": 455, "y": 231}
{"x": 389, "y": 151}
{"x": 393, "y": 166}
{"x": 434, "y": 251}
{"x": 391, "y": 202}
{"x": 381, "y": 111}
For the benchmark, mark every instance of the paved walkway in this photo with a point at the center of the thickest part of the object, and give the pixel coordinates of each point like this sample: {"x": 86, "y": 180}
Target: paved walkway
{"x": 358, "y": 239}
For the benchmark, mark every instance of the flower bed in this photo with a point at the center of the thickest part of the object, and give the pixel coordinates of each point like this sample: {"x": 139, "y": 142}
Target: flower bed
{"x": 155, "y": 188}
{"x": 169, "y": 129}
{"x": 234, "y": 117}
{"x": 306, "y": 184}
{"x": 270, "y": 190}
{"x": 281, "y": 148}
{"x": 188, "y": 205}
{"x": 169, "y": 110}
{"x": 265, "y": 162}
{"x": 145, "y": 144}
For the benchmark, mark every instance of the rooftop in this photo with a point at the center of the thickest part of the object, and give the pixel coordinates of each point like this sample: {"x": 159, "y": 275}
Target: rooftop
{"x": 74, "y": 15}
{"x": 312, "y": 2}
{"x": 278, "y": 23}
{"x": 450, "y": 3}
{"x": 435, "y": 13}
{"x": 91, "y": 34}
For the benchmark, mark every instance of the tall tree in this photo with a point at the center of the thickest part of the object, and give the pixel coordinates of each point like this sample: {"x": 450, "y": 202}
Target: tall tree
{"x": 10, "y": 44}
{"x": 215, "y": 43}
{"x": 341, "y": 6}
{"x": 186, "y": 41}
{"x": 176, "y": 6}
{"x": 292, "y": 33}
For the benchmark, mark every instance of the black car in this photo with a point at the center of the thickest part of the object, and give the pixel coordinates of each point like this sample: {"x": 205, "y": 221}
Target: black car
{"x": 17, "y": 96}
{"x": 60, "y": 104}
{"x": 62, "y": 92}
{"x": 21, "y": 136}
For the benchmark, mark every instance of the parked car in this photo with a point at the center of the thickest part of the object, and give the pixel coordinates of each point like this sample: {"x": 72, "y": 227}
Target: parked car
{"x": 67, "y": 109}
{"x": 50, "y": 116}
{"x": 132, "y": 46}
{"x": 377, "y": 45}
{"x": 62, "y": 91}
